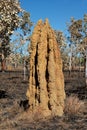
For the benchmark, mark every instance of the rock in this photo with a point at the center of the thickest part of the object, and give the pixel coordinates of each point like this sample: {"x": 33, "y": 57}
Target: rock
{"x": 46, "y": 81}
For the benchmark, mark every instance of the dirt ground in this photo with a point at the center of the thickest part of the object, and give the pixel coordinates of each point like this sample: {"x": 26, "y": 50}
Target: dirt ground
{"x": 13, "y": 89}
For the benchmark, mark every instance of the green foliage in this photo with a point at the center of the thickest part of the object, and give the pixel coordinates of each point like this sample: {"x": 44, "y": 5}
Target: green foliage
{"x": 61, "y": 40}
{"x": 12, "y": 17}
{"x": 9, "y": 18}
{"x": 26, "y": 23}
{"x": 9, "y": 21}
{"x": 77, "y": 38}
{"x": 78, "y": 33}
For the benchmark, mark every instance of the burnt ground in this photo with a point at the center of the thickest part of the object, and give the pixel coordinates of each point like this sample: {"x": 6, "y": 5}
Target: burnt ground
{"x": 13, "y": 116}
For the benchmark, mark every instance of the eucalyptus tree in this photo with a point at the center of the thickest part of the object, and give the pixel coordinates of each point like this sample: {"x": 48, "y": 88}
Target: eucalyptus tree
{"x": 82, "y": 29}
{"x": 78, "y": 36}
{"x": 9, "y": 20}
{"x": 75, "y": 37}
{"x": 12, "y": 17}
{"x": 21, "y": 37}
{"x": 61, "y": 40}
{"x": 84, "y": 45}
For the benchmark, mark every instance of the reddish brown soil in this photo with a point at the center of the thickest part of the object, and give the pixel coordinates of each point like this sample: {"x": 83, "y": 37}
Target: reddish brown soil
{"x": 13, "y": 117}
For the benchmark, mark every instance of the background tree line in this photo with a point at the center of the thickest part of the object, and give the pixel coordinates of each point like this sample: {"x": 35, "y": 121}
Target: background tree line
{"x": 15, "y": 31}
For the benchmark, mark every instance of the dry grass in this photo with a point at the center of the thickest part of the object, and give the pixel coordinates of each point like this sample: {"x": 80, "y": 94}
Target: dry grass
{"x": 73, "y": 105}
{"x": 13, "y": 117}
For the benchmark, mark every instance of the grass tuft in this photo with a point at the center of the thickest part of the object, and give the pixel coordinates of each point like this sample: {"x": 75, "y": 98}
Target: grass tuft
{"x": 73, "y": 105}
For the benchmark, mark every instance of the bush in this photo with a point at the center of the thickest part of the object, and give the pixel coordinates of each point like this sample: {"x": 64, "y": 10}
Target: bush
{"x": 73, "y": 105}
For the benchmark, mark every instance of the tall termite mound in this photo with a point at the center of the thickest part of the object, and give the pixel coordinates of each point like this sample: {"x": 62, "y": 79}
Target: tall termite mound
{"x": 46, "y": 81}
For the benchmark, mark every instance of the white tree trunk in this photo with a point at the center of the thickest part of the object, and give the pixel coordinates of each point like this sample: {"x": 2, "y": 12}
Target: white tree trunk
{"x": 24, "y": 71}
{"x": 70, "y": 62}
{"x": 86, "y": 70}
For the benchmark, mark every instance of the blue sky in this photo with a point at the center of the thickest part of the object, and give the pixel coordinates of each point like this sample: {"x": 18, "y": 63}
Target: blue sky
{"x": 58, "y": 12}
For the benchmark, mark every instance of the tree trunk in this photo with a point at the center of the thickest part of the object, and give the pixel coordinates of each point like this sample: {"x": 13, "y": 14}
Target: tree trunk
{"x": 80, "y": 66}
{"x": 70, "y": 65}
{"x": 86, "y": 70}
{"x": 3, "y": 65}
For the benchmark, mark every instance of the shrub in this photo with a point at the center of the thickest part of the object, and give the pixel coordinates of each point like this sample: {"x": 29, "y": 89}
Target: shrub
{"x": 73, "y": 105}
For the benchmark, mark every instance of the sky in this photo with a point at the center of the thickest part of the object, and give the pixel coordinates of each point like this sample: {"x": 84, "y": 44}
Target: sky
{"x": 58, "y": 12}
